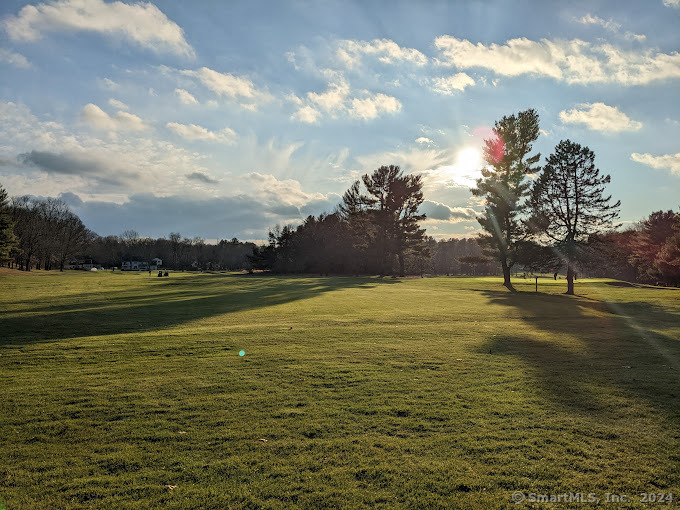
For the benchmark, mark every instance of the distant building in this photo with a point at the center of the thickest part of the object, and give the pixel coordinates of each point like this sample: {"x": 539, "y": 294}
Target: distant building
{"x": 83, "y": 265}
{"x": 134, "y": 265}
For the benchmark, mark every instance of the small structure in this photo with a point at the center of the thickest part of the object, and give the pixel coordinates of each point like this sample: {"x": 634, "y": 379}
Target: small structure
{"x": 83, "y": 264}
{"x": 134, "y": 265}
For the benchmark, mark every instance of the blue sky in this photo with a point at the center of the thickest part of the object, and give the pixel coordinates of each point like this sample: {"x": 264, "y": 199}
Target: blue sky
{"x": 222, "y": 119}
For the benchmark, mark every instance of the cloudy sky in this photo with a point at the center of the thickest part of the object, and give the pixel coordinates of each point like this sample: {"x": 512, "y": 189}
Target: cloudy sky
{"x": 222, "y": 119}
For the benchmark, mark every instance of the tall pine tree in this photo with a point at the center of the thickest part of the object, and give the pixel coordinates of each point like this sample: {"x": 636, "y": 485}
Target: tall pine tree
{"x": 568, "y": 203}
{"x": 504, "y": 186}
{"x": 387, "y": 214}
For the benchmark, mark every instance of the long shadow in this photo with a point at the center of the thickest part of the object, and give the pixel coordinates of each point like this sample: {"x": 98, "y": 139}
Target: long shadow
{"x": 637, "y": 285}
{"x": 601, "y": 348}
{"x": 162, "y": 303}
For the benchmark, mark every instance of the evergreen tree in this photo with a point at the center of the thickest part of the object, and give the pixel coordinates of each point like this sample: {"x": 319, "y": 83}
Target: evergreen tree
{"x": 568, "y": 203}
{"x": 9, "y": 242}
{"x": 504, "y": 186}
{"x": 392, "y": 203}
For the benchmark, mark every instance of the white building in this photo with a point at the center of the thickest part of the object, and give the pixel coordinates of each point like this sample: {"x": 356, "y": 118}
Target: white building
{"x": 134, "y": 265}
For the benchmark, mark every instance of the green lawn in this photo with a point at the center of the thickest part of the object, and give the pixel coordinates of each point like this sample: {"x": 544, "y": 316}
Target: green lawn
{"x": 127, "y": 390}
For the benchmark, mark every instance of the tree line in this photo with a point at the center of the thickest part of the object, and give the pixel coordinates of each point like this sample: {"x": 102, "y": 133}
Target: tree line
{"x": 45, "y": 234}
{"x": 373, "y": 231}
{"x": 42, "y": 233}
{"x": 648, "y": 252}
{"x": 175, "y": 251}
{"x": 555, "y": 217}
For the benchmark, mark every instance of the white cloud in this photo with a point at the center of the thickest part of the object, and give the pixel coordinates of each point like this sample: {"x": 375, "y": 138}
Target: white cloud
{"x": 108, "y": 84}
{"x": 68, "y": 161}
{"x": 424, "y": 140}
{"x": 114, "y": 171}
{"x": 293, "y": 98}
{"x": 417, "y": 160}
{"x": 336, "y": 100}
{"x": 118, "y": 104}
{"x": 610, "y": 25}
{"x": 517, "y": 56}
{"x": 121, "y": 121}
{"x": 372, "y": 106}
{"x": 274, "y": 191}
{"x": 669, "y": 161}
{"x": 141, "y": 23}
{"x": 630, "y": 36}
{"x": 385, "y": 50}
{"x": 230, "y": 86}
{"x": 600, "y": 117}
{"x": 672, "y": 3}
{"x": 14, "y": 59}
{"x": 455, "y": 82}
{"x": 334, "y": 97}
{"x": 573, "y": 61}
{"x": 589, "y": 19}
{"x": 306, "y": 114}
{"x": 185, "y": 97}
{"x": 194, "y": 132}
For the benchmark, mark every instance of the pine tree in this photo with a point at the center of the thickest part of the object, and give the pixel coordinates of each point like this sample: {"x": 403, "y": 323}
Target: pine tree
{"x": 568, "y": 203}
{"x": 393, "y": 200}
{"x": 504, "y": 186}
{"x": 8, "y": 240}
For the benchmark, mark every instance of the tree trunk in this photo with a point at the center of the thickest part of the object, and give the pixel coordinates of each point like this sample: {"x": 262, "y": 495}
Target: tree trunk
{"x": 506, "y": 276}
{"x": 382, "y": 252}
{"x": 402, "y": 271}
{"x": 570, "y": 279}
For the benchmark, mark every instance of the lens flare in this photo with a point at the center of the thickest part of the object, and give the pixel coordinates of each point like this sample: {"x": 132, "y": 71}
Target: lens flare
{"x": 241, "y": 353}
{"x": 495, "y": 149}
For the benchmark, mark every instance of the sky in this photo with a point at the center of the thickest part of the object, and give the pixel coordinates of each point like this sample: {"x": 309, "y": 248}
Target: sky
{"x": 222, "y": 119}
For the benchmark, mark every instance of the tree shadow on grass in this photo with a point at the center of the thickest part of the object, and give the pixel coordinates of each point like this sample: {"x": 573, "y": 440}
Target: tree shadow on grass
{"x": 597, "y": 349}
{"x": 163, "y": 303}
{"x": 618, "y": 283}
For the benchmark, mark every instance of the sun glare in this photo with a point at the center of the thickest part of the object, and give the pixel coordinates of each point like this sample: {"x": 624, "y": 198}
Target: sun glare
{"x": 469, "y": 159}
{"x": 467, "y": 168}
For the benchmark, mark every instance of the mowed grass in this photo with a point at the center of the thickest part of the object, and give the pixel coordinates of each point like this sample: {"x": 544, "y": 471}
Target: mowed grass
{"x": 128, "y": 391}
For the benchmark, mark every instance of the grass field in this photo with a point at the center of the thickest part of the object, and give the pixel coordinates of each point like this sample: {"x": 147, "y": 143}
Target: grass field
{"x": 127, "y": 390}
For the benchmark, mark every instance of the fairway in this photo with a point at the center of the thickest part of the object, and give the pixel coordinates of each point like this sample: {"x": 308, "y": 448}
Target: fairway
{"x": 128, "y": 390}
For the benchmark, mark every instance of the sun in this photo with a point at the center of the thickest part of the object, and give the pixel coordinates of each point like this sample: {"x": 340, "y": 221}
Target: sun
{"x": 469, "y": 160}
{"x": 466, "y": 169}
